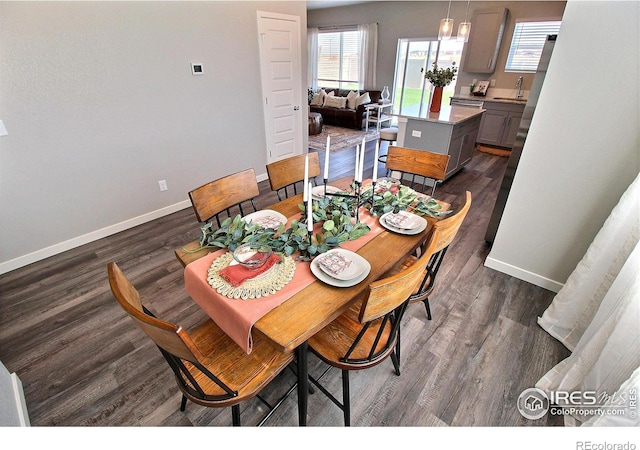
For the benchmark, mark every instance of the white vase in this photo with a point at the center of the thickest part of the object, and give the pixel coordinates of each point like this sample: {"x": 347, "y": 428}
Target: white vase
{"x": 385, "y": 94}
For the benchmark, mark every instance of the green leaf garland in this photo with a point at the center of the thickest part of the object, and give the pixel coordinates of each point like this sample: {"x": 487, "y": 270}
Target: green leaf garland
{"x": 335, "y": 213}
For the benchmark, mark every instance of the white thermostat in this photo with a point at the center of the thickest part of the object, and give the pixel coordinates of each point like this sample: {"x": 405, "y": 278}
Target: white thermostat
{"x": 196, "y": 69}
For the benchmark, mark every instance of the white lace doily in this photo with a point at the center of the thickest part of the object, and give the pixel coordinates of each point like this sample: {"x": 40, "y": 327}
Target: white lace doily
{"x": 265, "y": 284}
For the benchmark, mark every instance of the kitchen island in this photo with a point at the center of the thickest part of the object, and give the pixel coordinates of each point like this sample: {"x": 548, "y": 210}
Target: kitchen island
{"x": 451, "y": 131}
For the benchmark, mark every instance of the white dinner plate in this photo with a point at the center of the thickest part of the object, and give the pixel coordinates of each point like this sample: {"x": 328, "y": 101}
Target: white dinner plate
{"x": 317, "y": 193}
{"x": 361, "y": 265}
{"x": 403, "y": 220}
{"x": 266, "y": 217}
{"x": 421, "y": 225}
{"x": 353, "y": 268}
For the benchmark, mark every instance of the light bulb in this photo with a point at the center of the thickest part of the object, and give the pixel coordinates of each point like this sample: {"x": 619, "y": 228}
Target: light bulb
{"x": 445, "y": 29}
{"x": 463, "y": 31}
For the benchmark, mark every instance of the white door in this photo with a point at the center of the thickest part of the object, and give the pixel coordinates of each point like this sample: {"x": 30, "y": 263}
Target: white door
{"x": 279, "y": 39}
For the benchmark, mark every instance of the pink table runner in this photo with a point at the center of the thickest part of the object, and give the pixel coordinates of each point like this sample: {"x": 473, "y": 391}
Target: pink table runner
{"x": 236, "y": 317}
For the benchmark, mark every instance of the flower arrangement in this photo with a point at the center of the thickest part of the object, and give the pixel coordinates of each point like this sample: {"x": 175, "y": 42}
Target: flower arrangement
{"x": 441, "y": 77}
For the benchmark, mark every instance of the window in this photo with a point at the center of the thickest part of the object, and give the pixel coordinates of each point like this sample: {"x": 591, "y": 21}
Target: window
{"x": 339, "y": 59}
{"x": 526, "y": 45}
{"x": 411, "y": 92}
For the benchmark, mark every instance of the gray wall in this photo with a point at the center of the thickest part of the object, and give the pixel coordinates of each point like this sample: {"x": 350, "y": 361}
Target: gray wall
{"x": 421, "y": 19}
{"x": 100, "y": 104}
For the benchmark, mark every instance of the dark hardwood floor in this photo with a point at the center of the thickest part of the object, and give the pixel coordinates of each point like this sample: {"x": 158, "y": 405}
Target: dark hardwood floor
{"x": 83, "y": 362}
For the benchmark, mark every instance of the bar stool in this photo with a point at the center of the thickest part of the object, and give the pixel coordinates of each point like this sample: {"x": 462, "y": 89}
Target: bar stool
{"x": 389, "y": 134}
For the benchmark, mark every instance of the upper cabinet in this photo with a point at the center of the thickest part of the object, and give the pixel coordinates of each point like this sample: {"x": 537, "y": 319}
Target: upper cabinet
{"x": 487, "y": 28}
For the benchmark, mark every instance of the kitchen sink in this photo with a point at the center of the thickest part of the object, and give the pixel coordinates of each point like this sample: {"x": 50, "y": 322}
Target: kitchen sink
{"x": 513, "y": 99}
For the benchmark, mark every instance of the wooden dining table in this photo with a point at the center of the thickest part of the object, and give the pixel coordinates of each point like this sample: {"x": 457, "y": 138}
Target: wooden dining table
{"x": 289, "y": 326}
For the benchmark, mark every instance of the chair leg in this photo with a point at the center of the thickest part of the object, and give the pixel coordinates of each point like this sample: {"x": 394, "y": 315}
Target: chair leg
{"x": 183, "y": 403}
{"x": 346, "y": 403}
{"x": 395, "y": 359}
{"x": 426, "y": 305}
{"x": 395, "y": 356}
{"x": 235, "y": 414}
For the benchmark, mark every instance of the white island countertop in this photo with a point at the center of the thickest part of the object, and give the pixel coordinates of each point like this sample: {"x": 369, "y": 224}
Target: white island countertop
{"x": 448, "y": 114}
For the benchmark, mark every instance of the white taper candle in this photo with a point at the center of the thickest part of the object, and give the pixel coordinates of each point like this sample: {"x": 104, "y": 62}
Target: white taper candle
{"x": 375, "y": 162}
{"x": 357, "y": 171}
{"x": 310, "y": 212}
{"x": 326, "y": 158}
{"x": 305, "y": 194}
{"x": 361, "y": 162}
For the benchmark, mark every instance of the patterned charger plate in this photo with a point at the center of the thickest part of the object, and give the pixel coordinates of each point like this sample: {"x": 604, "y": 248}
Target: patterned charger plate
{"x": 265, "y": 284}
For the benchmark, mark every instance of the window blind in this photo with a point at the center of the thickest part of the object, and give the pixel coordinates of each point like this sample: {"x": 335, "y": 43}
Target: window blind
{"x": 338, "y": 58}
{"x": 526, "y": 45}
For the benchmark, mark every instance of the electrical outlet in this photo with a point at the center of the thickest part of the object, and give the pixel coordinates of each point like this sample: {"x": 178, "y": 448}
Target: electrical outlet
{"x": 493, "y": 83}
{"x": 416, "y": 133}
{"x": 163, "y": 185}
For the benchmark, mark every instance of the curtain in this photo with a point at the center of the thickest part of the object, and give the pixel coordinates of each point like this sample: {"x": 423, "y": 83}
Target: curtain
{"x": 312, "y": 70}
{"x": 368, "y": 55}
{"x": 597, "y": 315}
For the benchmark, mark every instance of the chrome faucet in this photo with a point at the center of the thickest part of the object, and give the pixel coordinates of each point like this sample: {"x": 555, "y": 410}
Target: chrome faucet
{"x": 519, "y": 86}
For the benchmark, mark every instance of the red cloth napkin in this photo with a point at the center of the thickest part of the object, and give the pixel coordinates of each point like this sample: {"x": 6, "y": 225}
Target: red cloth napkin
{"x": 237, "y": 274}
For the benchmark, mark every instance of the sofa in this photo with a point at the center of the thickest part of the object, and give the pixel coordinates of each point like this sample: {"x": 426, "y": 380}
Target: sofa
{"x": 340, "y": 110}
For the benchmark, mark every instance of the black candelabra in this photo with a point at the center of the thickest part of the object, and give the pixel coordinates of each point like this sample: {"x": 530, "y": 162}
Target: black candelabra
{"x": 360, "y": 199}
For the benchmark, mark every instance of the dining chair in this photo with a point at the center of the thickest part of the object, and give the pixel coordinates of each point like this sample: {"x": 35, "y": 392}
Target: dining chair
{"x": 368, "y": 333}
{"x": 447, "y": 230}
{"x": 209, "y": 367}
{"x": 218, "y": 196}
{"x": 417, "y": 163}
{"x": 287, "y": 172}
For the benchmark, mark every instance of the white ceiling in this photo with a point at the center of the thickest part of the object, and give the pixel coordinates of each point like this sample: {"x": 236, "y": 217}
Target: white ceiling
{"x": 319, "y": 4}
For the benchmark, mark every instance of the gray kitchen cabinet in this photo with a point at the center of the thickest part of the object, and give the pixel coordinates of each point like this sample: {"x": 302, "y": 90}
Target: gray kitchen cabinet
{"x": 482, "y": 49}
{"x": 463, "y": 142}
{"x": 499, "y": 124}
{"x": 453, "y": 132}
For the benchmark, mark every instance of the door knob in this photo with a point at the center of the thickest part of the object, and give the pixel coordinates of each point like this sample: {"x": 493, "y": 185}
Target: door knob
{"x": 296, "y": 108}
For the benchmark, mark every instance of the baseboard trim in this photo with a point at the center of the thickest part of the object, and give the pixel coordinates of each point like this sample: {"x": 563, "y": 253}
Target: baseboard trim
{"x": 523, "y": 275}
{"x": 55, "y": 249}
{"x": 21, "y": 402}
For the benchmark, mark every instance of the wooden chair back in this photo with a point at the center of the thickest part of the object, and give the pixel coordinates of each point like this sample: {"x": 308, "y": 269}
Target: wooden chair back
{"x": 417, "y": 162}
{"x": 389, "y": 293}
{"x": 446, "y": 230}
{"x": 211, "y": 199}
{"x": 289, "y": 171}
{"x": 167, "y": 336}
{"x": 448, "y": 227}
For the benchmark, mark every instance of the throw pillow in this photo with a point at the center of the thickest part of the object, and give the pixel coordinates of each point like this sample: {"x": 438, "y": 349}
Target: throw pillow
{"x": 318, "y": 98}
{"x": 363, "y": 99}
{"x": 335, "y": 102}
{"x": 352, "y": 96}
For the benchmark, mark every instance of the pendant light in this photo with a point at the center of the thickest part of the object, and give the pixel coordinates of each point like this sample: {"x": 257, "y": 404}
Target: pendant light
{"x": 446, "y": 26}
{"x": 464, "y": 28}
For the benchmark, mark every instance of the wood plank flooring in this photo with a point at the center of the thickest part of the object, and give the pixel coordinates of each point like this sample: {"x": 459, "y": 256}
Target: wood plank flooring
{"x": 84, "y": 363}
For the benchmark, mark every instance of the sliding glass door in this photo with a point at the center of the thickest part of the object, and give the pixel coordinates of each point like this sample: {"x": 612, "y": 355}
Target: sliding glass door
{"x": 411, "y": 92}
